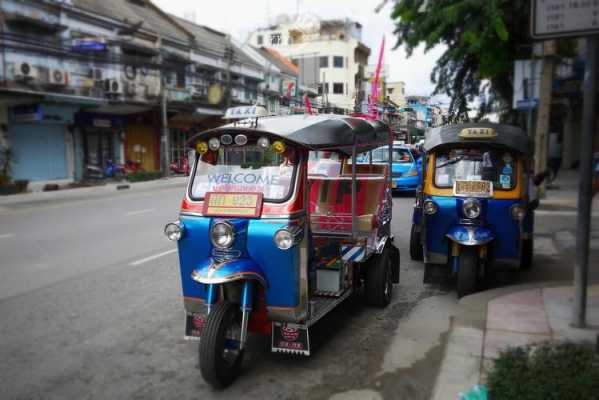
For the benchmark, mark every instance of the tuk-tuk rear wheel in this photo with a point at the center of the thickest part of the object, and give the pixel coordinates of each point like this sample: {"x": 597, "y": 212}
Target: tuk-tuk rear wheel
{"x": 378, "y": 285}
{"x": 467, "y": 272}
{"x": 416, "y": 250}
{"x": 219, "y": 354}
{"x": 527, "y": 256}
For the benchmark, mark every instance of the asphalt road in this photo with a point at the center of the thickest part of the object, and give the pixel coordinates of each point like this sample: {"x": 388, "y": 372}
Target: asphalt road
{"x": 91, "y": 309}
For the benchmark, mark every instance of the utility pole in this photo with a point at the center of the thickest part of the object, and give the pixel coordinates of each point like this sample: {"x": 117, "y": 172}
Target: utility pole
{"x": 164, "y": 133}
{"x": 229, "y": 54}
{"x": 585, "y": 194}
{"x": 542, "y": 128}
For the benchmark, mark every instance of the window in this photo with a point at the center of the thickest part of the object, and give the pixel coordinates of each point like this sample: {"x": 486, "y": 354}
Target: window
{"x": 338, "y": 62}
{"x": 260, "y": 40}
{"x": 390, "y": 90}
{"x": 275, "y": 38}
{"x": 337, "y": 88}
{"x": 496, "y": 166}
{"x": 324, "y": 61}
{"x": 246, "y": 168}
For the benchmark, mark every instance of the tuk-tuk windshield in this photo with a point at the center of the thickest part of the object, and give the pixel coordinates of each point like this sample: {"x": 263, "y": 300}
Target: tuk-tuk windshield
{"x": 497, "y": 166}
{"x": 381, "y": 154}
{"x": 245, "y": 169}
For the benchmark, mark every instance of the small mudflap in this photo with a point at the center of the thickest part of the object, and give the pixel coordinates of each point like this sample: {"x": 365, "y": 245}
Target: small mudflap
{"x": 194, "y": 324}
{"x": 290, "y": 338}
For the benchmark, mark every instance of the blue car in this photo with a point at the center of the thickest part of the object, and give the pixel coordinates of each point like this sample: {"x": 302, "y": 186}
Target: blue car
{"x": 406, "y": 171}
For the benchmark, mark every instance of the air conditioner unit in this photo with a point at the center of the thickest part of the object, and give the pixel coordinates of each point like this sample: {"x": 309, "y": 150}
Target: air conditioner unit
{"x": 130, "y": 88}
{"x": 25, "y": 71}
{"x": 95, "y": 74}
{"x": 112, "y": 86}
{"x": 152, "y": 90}
{"x": 58, "y": 77}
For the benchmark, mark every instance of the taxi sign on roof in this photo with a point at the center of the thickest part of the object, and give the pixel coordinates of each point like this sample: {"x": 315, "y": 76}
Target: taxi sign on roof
{"x": 245, "y": 112}
{"x": 478, "y": 133}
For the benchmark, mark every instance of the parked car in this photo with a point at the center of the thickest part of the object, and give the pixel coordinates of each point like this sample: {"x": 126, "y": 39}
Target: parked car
{"x": 406, "y": 166}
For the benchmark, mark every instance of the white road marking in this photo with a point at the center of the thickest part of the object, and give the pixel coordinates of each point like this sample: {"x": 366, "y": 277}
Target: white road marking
{"x": 6, "y": 235}
{"x": 151, "y": 258}
{"x": 137, "y": 212}
{"x": 545, "y": 246}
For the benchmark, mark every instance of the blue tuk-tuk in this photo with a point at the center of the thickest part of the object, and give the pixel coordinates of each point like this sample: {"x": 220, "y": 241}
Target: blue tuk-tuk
{"x": 279, "y": 224}
{"x": 475, "y": 206}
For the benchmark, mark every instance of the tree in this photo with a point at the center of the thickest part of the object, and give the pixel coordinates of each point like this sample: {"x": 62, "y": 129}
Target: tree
{"x": 483, "y": 38}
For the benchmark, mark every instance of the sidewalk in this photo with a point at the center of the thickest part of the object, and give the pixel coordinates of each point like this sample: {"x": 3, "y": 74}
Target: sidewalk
{"x": 491, "y": 321}
{"x": 108, "y": 189}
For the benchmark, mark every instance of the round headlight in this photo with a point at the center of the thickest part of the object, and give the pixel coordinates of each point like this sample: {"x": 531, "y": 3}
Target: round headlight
{"x": 214, "y": 144}
{"x": 263, "y": 142}
{"x": 226, "y": 139}
{"x": 471, "y": 208}
{"x": 430, "y": 207}
{"x": 222, "y": 235}
{"x": 518, "y": 212}
{"x": 240, "y": 140}
{"x": 173, "y": 231}
{"x": 283, "y": 239}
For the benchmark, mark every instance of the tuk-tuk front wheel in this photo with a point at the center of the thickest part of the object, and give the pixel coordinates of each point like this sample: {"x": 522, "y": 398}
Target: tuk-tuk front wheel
{"x": 378, "y": 285}
{"x": 219, "y": 353}
{"x": 467, "y": 272}
{"x": 416, "y": 250}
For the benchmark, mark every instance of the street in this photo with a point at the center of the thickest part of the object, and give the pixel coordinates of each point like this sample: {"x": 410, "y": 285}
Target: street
{"x": 91, "y": 308}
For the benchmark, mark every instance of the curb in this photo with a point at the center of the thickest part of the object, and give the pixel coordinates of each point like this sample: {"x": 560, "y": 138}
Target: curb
{"x": 79, "y": 193}
{"x": 462, "y": 361}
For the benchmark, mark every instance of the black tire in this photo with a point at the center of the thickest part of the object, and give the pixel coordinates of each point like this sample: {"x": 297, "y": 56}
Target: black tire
{"x": 467, "y": 274}
{"x": 416, "y": 250}
{"x": 378, "y": 285}
{"x": 527, "y": 256}
{"x": 216, "y": 368}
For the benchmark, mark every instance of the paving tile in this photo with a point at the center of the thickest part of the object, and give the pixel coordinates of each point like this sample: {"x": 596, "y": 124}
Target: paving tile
{"x": 465, "y": 341}
{"x": 519, "y": 312}
{"x": 558, "y": 305}
{"x": 497, "y": 341}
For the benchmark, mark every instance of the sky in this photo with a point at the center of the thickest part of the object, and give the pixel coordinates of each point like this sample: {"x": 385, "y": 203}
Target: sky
{"x": 239, "y": 17}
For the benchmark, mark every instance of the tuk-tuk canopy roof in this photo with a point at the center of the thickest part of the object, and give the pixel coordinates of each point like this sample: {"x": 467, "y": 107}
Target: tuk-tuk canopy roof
{"x": 315, "y": 132}
{"x": 484, "y": 133}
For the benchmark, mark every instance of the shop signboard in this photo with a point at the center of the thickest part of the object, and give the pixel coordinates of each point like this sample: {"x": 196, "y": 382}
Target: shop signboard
{"x": 27, "y": 113}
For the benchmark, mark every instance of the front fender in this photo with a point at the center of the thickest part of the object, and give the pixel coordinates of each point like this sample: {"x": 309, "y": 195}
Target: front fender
{"x": 213, "y": 272}
{"x": 470, "y": 235}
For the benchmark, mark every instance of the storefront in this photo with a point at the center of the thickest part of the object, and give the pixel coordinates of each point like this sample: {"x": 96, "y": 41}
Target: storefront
{"x": 101, "y": 137}
{"x": 142, "y": 140}
{"x": 41, "y": 142}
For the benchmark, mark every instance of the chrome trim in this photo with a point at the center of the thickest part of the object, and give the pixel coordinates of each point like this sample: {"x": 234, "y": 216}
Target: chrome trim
{"x": 229, "y": 278}
{"x": 471, "y": 240}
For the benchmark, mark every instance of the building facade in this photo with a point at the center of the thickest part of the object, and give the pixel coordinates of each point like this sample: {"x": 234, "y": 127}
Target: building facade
{"x": 84, "y": 82}
{"x": 329, "y": 53}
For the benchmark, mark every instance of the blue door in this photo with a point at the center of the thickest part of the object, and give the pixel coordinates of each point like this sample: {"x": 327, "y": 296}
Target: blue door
{"x": 39, "y": 151}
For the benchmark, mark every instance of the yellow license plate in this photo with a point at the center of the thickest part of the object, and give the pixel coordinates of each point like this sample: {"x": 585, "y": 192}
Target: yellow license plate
{"x": 473, "y": 188}
{"x": 233, "y": 204}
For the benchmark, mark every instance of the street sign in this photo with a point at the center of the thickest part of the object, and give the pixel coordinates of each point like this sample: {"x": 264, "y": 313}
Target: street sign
{"x": 560, "y": 18}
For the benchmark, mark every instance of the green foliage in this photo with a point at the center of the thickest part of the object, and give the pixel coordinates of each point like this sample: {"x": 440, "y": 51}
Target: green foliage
{"x": 144, "y": 176}
{"x": 483, "y": 38}
{"x": 565, "y": 371}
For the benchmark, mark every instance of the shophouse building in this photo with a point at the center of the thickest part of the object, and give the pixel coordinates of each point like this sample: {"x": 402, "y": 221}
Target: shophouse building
{"x": 329, "y": 53}
{"x": 85, "y": 81}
